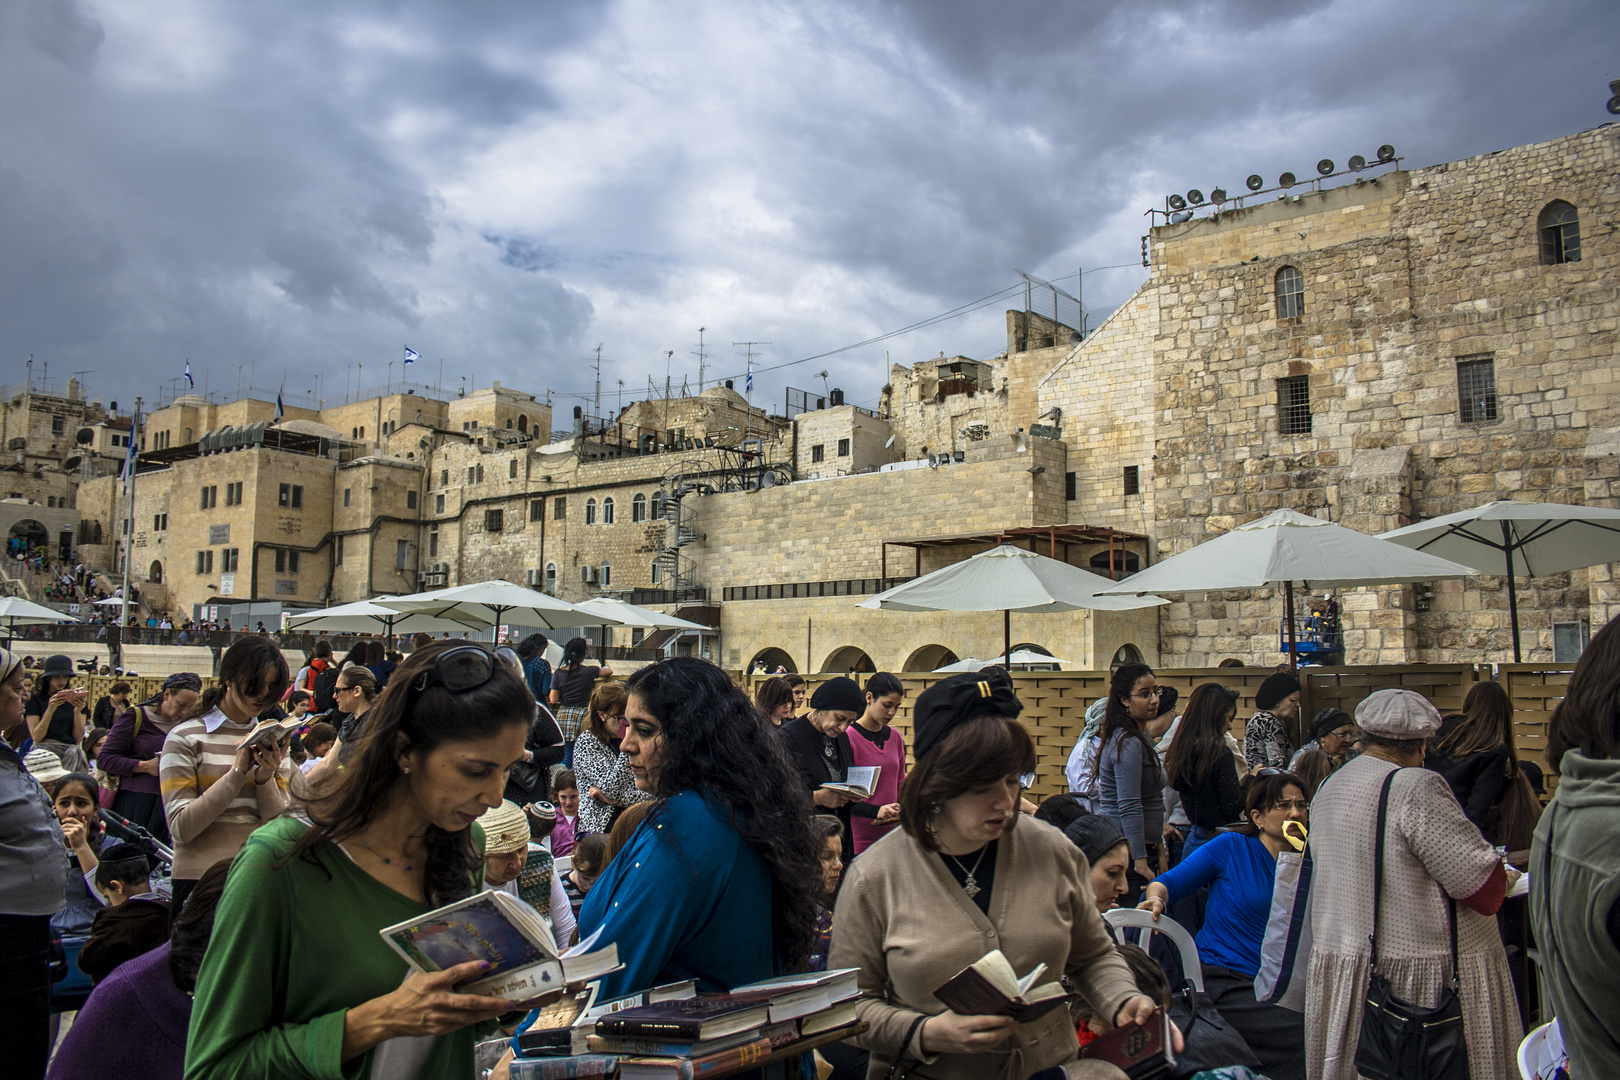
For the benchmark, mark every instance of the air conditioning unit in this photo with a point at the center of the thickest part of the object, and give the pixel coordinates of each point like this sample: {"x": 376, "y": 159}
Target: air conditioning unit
{"x": 588, "y": 575}
{"x": 534, "y": 579}
{"x": 441, "y": 568}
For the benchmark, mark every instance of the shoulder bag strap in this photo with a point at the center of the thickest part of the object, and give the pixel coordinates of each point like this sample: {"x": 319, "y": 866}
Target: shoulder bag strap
{"x": 1378, "y": 864}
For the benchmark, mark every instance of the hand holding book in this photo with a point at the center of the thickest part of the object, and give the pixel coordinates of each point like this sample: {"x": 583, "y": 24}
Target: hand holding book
{"x": 424, "y": 1004}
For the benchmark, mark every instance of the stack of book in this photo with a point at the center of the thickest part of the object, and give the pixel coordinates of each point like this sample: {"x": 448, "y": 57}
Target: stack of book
{"x": 671, "y": 1032}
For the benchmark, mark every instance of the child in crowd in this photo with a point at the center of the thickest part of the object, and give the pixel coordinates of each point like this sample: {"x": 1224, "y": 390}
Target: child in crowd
{"x": 135, "y": 920}
{"x": 318, "y": 742}
{"x": 590, "y": 858}
{"x": 831, "y": 834}
{"x": 1149, "y": 978}
{"x": 566, "y": 786}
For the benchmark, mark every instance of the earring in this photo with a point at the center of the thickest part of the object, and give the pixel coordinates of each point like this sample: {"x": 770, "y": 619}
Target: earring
{"x": 406, "y": 769}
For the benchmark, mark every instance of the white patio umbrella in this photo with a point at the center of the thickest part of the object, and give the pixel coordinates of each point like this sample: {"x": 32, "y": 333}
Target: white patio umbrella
{"x": 1007, "y": 579}
{"x": 1019, "y": 656}
{"x": 370, "y": 617}
{"x": 493, "y": 601}
{"x": 1518, "y": 539}
{"x": 1283, "y": 548}
{"x": 629, "y": 614}
{"x": 16, "y": 610}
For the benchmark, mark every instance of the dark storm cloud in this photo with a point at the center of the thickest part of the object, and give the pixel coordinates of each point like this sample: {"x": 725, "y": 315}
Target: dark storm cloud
{"x": 300, "y": 188}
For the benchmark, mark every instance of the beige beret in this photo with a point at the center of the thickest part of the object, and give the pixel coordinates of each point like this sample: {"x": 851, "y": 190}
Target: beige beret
{"x": 1397, "y": 714}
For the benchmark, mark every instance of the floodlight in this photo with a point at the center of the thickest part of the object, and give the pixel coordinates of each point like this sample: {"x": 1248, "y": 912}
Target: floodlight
{"x": 1357, "y": 163}
{"x": 1177, "y": 203}
{"x": 1386, "y": 154}
{"x": 1254, "y": 182}
{"x": 1287, "y": 179}
{"x": 1195, "y": 197}
{"x": 1325, "y": 167}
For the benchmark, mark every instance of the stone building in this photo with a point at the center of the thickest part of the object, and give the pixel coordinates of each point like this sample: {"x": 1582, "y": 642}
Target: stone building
{"x": 52, "y": 441}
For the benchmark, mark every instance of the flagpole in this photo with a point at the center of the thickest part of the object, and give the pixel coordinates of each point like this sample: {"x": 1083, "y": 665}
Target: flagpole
{"x": 129, "y": 522}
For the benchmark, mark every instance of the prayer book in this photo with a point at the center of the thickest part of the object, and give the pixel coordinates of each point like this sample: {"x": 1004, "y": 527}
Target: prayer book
{"x": 1144, "y": 1052}
{"x": 269, "y": 732}
{"x": 551, "y": 1029}
{"x": 695, "y": 1019}
{"x": 840, "y": 1015}
{"x": 989, "y": 987}
{"x": 582, "y": 1067}
{"x": 859, "y": 781}
{"x": 669, "y": 1068}
{"x": 507, "y": 933}
{"x": 542, "y": 1041}
{"x": 793, "y": 996}
{"x": 779, "y": 1034}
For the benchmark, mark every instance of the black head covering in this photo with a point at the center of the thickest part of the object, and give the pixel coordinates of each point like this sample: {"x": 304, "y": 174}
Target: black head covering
{"x": 180, "y": 680}
{"x": 1274, "y": 689}
{"x": 1329, "y": 719}
{"x": 1168, "y": 696}
{"x": 839, "y": 695}
{"x": 1095, "y": 835}
{"x": 947, "y": 703}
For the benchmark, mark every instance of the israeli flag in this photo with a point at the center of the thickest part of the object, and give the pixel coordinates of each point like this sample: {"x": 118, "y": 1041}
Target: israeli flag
{"x": 748, "y": 384}
{"x": 191, "y": 384}
{"x": 280, "y": 409}
{"x": 410, "y": 355}
{"x": 128, "y": 469}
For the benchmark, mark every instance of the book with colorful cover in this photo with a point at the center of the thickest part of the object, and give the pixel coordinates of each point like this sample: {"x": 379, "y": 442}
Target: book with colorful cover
{"x": 669, "y": 1068}
{"x": 1142, "y": 1051}
{"x": 508, "y": 934}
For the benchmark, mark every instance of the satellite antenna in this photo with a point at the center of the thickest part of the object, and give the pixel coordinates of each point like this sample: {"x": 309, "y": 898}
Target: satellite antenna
{"x": 890, "y": 443}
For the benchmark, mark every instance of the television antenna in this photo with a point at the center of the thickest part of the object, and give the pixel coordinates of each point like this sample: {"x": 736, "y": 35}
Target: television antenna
{"x": 703, "y": 357}
{"x": 822, "y": 375}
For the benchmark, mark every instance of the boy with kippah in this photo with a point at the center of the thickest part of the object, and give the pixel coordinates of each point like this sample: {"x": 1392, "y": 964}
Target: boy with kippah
{"x": 135, "y": 920}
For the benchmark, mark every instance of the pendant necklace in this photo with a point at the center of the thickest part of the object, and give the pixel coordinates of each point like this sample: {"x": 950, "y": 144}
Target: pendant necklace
{"x": 827, "y": 747}
{"x": 390, "y": 862}
{"x": 971, "y": 885}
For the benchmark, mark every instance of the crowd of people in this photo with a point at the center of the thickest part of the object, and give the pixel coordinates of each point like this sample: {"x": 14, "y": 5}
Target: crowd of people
{"x": 203, "y": 904}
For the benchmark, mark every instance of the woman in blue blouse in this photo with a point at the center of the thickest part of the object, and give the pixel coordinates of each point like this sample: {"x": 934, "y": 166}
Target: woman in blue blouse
{"x": 720, "y": 882}
{"x": 1239, "y": 869}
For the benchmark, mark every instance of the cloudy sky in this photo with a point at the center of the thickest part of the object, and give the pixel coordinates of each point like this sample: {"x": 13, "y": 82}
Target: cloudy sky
{"x": 292, "y": 190}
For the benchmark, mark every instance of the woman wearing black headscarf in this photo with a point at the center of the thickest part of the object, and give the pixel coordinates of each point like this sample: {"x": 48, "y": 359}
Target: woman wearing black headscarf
{"x": 818, "y": 744}
{"x": 961, "y": 877}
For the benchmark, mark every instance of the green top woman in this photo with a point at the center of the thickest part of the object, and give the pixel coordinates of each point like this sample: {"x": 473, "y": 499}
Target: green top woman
{"x": 297, "y": 982}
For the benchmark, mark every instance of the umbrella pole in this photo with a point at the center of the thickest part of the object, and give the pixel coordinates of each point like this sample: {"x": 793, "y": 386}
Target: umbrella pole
{"x": 1006, "y": 635}
{"x": 1288, "y": 613}
{"x": 1513, "y": 598}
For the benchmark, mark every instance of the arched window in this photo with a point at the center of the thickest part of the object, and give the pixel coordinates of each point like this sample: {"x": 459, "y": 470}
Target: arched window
{"x": 607, "y": 510}
{"x": 1290, "y": 293}
{"x": 590, "y": 511}
{"x": 607, "y": 575}
{"x": 551, "y": 577}
{"x": 638, "y": 508}
{"x": 509, "y": 423}
{"x": 1560, "y": 229}
{"x": 523, "y": 425}
{"x": 658, "y": 506}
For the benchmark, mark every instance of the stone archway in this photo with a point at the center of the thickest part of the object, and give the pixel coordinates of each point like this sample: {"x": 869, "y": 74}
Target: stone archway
{"x": 930, "y": 658}
{"x": 154, "y": 573}
{"x": 26, "y": 535}
{"x": 768, "y": 660}
{"x": 849, "y": 658}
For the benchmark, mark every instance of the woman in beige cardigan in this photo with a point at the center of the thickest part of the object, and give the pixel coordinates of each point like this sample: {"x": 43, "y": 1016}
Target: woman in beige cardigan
{"x": 962, "y": 876}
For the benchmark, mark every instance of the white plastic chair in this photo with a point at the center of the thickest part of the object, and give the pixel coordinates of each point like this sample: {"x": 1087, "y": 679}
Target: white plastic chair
{"x": 1540, "y": 1050}
{"x": 563, "y": 864}
{"x": 1124, "y": 920}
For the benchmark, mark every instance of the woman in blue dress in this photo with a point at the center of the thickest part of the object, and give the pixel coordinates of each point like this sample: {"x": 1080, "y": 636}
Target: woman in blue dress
{"x": 720, "y": 882}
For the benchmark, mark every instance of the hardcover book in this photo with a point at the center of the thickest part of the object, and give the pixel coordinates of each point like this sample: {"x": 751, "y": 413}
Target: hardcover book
{"x": 989, "y": 987}
{"x": 692, "y": 1019}
{"x": 663, "y": 1068}
{"x": 1144, "y": 1052}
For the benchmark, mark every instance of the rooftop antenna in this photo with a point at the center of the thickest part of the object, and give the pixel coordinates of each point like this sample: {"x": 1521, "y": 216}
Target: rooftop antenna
{"x": 822, "y": 375}
{"x": 703, "y": 358}
{"x": 748, "y": 378}
{"x": 598, "y": 380}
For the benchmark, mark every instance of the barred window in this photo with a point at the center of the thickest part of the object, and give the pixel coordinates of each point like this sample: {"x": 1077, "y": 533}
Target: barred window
{"x": 493, "y": 520}
{"x": 559, "y": 508}
{"x": 1294, "y": 405}
{"x": 843, "y": 448}
{"x": 1476, "y": 388}
{"x": 1560, "y": 229}
{"x": 1290, "y": 293}
{"x": 1133, "y": 480}
{"x": 537, "y": 509}
{"x": 818, "y": 452}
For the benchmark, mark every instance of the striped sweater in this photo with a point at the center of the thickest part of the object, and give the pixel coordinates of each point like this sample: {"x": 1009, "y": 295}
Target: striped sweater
{"x": 212, "y": 809}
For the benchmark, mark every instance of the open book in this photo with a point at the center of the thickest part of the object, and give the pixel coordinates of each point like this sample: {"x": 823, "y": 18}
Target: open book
{"x": 989, "y": 987}
{"x": 510, "y": 935}
{"x": 860, "y": 781}
{"x": 267, "y": 732}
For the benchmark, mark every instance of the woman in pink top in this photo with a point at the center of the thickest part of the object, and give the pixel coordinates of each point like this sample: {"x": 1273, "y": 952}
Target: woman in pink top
{"x": 873, "y": 742}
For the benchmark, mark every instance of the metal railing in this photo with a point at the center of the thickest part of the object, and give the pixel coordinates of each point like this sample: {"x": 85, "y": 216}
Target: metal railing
{"x": 805, "y": 589}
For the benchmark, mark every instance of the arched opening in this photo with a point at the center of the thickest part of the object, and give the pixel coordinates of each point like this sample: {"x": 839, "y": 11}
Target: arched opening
{"x": 847, "y": 659}
{"x": 768, "y": 660}
{"x": 1560, "y": 229}
{"x": 154, "y": 573}
{"x": 1125, "y": 654}
{"x": 26, "y": 535}
{"x": 1125, "y": 564}
{"x": 1290, "y": 293}
{"x": 523, "y": 425}
{"x": 638, "y": 508}
{"x": 929, "y": 658}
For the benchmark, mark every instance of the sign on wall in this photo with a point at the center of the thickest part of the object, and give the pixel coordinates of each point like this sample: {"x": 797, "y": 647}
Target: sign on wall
{"x": 219, "y": 534}
{"x": 227, "y": 584}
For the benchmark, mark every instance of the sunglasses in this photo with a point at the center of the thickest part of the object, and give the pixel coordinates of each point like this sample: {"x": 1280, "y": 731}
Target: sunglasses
{"x": 461, "y": 668}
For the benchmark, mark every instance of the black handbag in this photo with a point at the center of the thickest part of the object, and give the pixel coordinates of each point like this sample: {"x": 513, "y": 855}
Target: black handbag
{"x": 1209, "y": 1039}
{"x": 1399, "y": 1040}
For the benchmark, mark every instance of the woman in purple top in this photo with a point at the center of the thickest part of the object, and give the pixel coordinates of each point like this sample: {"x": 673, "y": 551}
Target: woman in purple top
{"x": 134, "y": 745}
{"x": 874, "y": 742}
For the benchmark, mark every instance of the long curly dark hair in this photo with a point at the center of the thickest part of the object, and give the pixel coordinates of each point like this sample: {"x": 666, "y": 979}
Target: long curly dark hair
{"x": 714, "y": 741}
{"x": 1117, "y": 713}
{"x": 406, "y": 719}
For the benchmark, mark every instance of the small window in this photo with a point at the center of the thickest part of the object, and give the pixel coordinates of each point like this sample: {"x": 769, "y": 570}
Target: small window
{"x": 590, "y": 511}
{"x": 658, "y": 506}
{"x": 492, "y": 520}
{"x": 559, "y": 508}
{"x": 1290, "y": 293}
{"x": 508, "y": 421}
{"x": 1069, "y": 487}
{"x": 50, "y": 502}
{"x": 551, "y": 577}
{"x": 636, "y": 634}
{"x": 1476, "y": 389}
{"x": 1560, "y": 228}
{"x": 298, "y": 497}
{"x": 345, "y": 496}
{"x": 229, "y": 559}
{"x": 638, "y": 508}
{"x": 537, "y": 509}
{"x": 402, "y": 554}
{"x": 281, "y": 560}
{"x": 433, "y": 545}
{"x": 1133, "y": 480}
{"x": 292, "y": 562}
{"x": 657, "y": 573}
{"x": 469, "y": 474}
{"x": 58, "y": 425}
{"x": 511, "y": 469}
{"x": 337, "y": 551}
{"x": 479, "y": 472}
{"x": 209, "y": 495}
{"x": 818, "y": 452}
{"x": 205, "y": 562}
{"x": 607, "y": 511}
{"x": 444, "y": 477}
{"x": 284, "y": 496}
{"x": 410, "y": 500}
{"x": 843, "y": 448}
{"x": 1294, "y": 405}
{"x": 438, "y": 504}
{"x": 1570, "y": 640}
{"x": 607, "y": 575}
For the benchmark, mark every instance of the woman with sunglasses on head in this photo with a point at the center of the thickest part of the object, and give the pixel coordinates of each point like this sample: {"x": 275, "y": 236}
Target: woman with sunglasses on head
{"x": 1130, "y": 780}
{"x": 719, "y": 881}
{"x": 1239, "y": 868}
{"x": 284, "y": 991}
{"x": 215, "y": 790}
{"x": 960, "y": 877}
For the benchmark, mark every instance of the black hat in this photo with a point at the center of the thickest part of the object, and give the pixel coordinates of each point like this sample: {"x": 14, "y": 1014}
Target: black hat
{"x": 1329, "y": 719}
{"x": 1168, "y": 696}
{"x": 839, "y": 695}
{"x": 60, "y": 664}
{"x": 1095, "y": 835}
{"x": 1274, "y": 689}
{"x": 947, "y": 703}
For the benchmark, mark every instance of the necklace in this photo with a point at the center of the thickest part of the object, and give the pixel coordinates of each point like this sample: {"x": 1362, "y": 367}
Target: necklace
{"x": 386, "y": 860}
{"x": 827, "y": 747}
{"x": 971, "y": 885}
